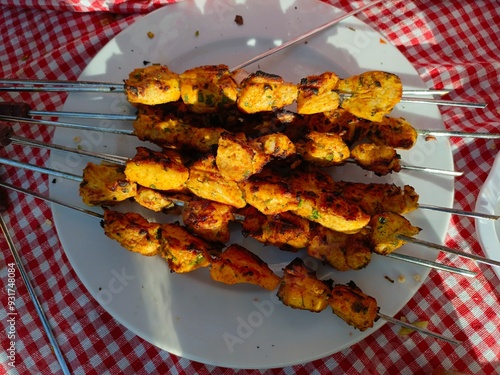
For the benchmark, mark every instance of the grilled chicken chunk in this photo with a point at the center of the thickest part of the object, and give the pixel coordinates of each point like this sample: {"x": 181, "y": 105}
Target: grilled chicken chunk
{"x": 301, "y": 289}
{"x": 238, "y": 158}
{"x": 208, "y": 219}
{"x": 132, "y": 231}
{"x": 392, "y": 132}
{"x": 285, "y": 230}
{"x": 376, "y": 198}
{"x": 160, "y": 170}
{"x": 184, "y": 251}
{"x": 105, "y": 184}
{"x": 206, "y": 182}
{"x": 154, "y": 84}
{"x": 154, "y": 200}
{"x": 171, "y": 131}
{"x": 238, "y": 265}
{"x": 381, "y": 160}
{"x": 316, "y": 94}
{"x": 385, "y": 230}
{"x": 350, "y": 304}
{"x": 208, "y": 88}
{"x": 269, "y": 193}
{"x": 263, "y": 92}
{"x": 373, "y": 94}
{"x": 340, "y": 250}
{"x": 324, "y": 149}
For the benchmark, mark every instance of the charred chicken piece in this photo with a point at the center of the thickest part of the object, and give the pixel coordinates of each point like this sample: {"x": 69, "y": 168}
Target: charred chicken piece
{"x": 385, "y": 229}
{"x": 301, "y": 289}
{"x": 238, "y": 158}
{"x": 373, "y": 94}
{"x": 132, "y": 231}
{"x": 340, "y": 250}
{"x": 238, "y": 265}
{"x": 393, "y": 132}
{"x": 376, "y": 198}
{"x": 208, "y": 219}
{"x": 354, "y": 307}
{"x": 324, "y": 149}
{"x": 105, "y": 184}
{"x": 171, "y": 131}
{"x": 160, "y": 170}
{"x": 154, "y": 200}
{"x": 285, "y": 230}
{"x": 263, "y": 92}
{"x": 381, "y": 160}
{"x": 154, "y": 84}
{"x": 269, "y": 193}
{"x": 316, "y": 94}
{"x": 206, "y": 182}
{"x": 184, "y": 251}
{"x": 208, "y": 88}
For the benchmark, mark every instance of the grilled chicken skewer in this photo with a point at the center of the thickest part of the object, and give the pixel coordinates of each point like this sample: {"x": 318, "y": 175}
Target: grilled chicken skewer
{"x": 119, "y": 186}
{"x": 172, "y": 133}
{"x": 16, "y": 111}
{"x": 235, "y": 265}
{"x": 162, "y": 80}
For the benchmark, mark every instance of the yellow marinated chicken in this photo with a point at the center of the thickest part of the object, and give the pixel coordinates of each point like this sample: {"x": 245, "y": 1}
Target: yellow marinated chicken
{"x": 208, "y": 88}
{"x": 285, "y": 230}
{"x": 393, "y": 132}
{"x": 238, "y": 265}
{"x": 340, "y": 250}
{"x": 263, "y": 92}
{"x": 105, "y": 184}
{"x": 269, "y": 193}
{"x": 132, "y": 231}
{"x": 151, "y": 85}
{"x": 184, "y": 251}
{"x": 381, "y": 160}
{"x": 160, "y": 170}
{"x": 324, "y": 149}
{"x": 386, "y": 229}
{"x": 154, "y": 200}
{"x": 376, "y": 198}
{"x": 318, "y": 203}
{"x": 172, "y": 132}
{"x": 208, "y": 219}
{"x": 301, "y": 289}
{"x": 373, "y": 94}
{"x": 238, "y": 158}
{"x": 206, "y": 182}
{"x": 316, "y": 94}
{"x": 353, "y": 306}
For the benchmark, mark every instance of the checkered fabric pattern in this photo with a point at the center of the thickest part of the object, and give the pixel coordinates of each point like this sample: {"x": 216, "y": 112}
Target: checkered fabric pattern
{"x": 451, "y": 44}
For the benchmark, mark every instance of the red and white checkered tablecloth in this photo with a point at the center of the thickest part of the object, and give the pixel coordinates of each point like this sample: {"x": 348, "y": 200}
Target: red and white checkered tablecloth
{"x": 451, "y": 44}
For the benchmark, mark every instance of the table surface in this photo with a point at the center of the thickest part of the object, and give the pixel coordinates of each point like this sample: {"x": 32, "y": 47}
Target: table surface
{"x": 451, "y": 44}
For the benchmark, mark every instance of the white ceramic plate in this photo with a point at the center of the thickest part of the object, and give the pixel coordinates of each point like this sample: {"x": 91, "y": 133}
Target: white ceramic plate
{"x": 190, "y": 315}
{"x": 488, "y": 202}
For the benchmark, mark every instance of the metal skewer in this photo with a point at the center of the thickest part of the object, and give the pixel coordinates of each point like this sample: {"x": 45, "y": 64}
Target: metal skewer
{"x": 419, "y": 329}
{"x": 449, "y": 250}
{"x": 31, "y": 291}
